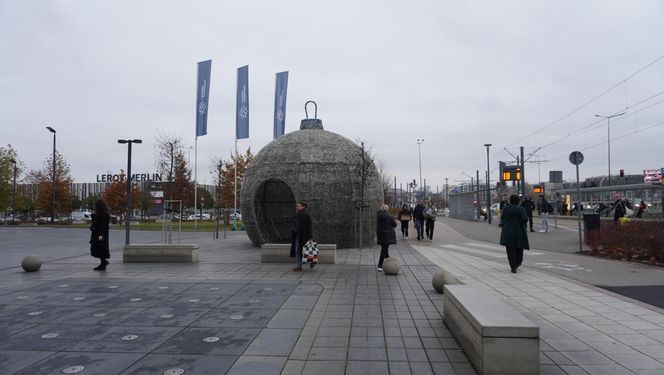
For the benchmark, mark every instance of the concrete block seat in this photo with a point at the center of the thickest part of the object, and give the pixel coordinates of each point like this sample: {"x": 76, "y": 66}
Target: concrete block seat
{"x": 497, "y": 338}
{"x": 280, "y": 253}
{"x": 159, "y": 253}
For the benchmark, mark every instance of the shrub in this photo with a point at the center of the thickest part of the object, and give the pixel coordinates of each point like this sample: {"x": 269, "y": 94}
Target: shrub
{"x": 636, "y": 241}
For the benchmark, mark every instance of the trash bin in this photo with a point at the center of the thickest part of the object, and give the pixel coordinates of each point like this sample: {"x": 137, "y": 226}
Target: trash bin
{"x": 590, "y": 224}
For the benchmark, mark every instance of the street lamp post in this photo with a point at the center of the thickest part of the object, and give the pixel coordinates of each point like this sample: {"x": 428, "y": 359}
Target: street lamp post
{"x": 128, "y": 142}
{"x": 488, "y": 183}
{"x": 53, "y": 178}
{"x": 608, "y": 139}
{"x": 419, "y": 155}
{"x": 14, "y": 191}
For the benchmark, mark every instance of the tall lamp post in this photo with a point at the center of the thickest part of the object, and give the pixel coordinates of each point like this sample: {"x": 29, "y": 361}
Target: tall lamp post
{"x": 13, "y": 161}
{"x": 608, "y": 132}
{"x": 488, "y": 183}
{"x": 419, "y": 155}
{"x": 128, "y": 142}
{"x": 53, "y": 178}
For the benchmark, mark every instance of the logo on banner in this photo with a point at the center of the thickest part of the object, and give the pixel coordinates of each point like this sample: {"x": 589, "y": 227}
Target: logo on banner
{"x": 244, "y": 111}
{"x": 280, "y": 115}
{"x": 202, "y": 107}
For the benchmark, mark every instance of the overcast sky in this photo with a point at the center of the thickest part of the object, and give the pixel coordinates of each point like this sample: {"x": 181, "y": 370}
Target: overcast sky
{"x": 456, "y": 73}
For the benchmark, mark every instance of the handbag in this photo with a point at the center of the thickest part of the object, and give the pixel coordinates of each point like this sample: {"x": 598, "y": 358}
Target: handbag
{"x": 310, "y": 252}
{"x": 405, "y": 218}
{"x": 628, "y": 211}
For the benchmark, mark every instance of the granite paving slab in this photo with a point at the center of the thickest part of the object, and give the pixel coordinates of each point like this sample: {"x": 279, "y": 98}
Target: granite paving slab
{"x": 94, "y": 315}
{"x": 12, "y": 361}
{"x": 258, "y": 365}
{"x": 176, "y": 316}
{"x": 273, "y": 342}
{"x": 50, "y": 337}
{"x": 235, "y": 318}
{"x": 209, "y": 341}
{"x": 93, "y": 363}
{"x": 191, "y": 364}
{"x": 125, "y": 339}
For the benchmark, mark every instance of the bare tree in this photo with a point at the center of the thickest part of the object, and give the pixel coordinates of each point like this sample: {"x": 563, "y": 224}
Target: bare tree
{"x": 385, "y": 181}
{"x": 168, "y": 147}
{"x": 365, "y": 171}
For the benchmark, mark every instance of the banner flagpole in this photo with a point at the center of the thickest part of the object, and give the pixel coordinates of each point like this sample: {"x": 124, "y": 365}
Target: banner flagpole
{"x": 235, "y": 188}
{"x": 195, "y": 181}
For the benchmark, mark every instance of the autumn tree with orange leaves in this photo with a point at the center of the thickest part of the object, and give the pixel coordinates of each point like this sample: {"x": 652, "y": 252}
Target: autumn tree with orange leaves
{"x": 115, "y": 196}
{"x": 223, "y": 175}
{"x": 63, "y": 181}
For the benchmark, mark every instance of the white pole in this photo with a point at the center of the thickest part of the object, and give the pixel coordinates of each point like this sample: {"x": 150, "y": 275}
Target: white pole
{"x": 195, "y": 181}
{"x": 235, "y": 189}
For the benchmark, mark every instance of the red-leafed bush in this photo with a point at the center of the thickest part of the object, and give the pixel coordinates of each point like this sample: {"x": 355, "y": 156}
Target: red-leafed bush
{"x": 636, "y": 241}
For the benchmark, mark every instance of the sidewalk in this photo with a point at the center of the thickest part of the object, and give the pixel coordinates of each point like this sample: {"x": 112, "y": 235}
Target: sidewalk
{"x": 230, "y": 314}
{"x": 583, "y": 329}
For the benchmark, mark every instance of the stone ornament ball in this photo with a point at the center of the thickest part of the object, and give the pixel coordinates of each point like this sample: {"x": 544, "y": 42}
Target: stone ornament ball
{"x": 31, "y": 263}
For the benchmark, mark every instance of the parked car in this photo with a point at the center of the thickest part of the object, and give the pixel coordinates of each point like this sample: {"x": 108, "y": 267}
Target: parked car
{"x": 235, "y": 216}
{"x": 199, "y": 217}
{"x": 10, "y": 220}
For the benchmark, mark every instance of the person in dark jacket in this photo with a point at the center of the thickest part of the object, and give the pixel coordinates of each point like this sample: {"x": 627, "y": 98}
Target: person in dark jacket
{"x": 405, "y": 216}
{"x": 301, "y": 233}
{"x": 418, "y": 215}
{"x": 514, "y": 235}
{"x": 385, "y": 235}
{"x": 529, "y": 205}
{"x": 99, "y": 236}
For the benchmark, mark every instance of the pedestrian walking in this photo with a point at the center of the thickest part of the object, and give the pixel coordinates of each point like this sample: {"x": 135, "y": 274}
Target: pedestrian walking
{"x": 301, "y": 233}
{"x": 405, "y": 216}
{"x": 642, "y": 208}
{"x": 513, "y": 235}
{"x": 430, "y": 217}
{"x": 622, "y": 209}
{"x": 99, "y": 237}
{"x": 418, "y": 214}
{"x": 385, "y": 235}
{"x": 529, "y": 205}
{"x": 545, "y": 209}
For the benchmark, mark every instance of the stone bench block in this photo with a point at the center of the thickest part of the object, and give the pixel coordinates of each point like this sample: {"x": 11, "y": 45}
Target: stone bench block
{"x": 280, "y": 253}
{"x": 159, "y": 253}
{"x": 497, "y": 338}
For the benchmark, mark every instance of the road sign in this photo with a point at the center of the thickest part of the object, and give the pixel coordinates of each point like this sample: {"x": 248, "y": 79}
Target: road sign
{"x": 576, "y": 158}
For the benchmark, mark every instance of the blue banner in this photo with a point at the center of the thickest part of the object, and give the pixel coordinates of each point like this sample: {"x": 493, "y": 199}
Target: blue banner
{"x": 242, "y": 103}
{"x": 202, "y": 96}
{"x": 280, "y": 93}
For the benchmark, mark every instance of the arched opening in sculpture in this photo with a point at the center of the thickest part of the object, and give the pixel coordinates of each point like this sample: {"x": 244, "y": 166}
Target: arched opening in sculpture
{"x": 274, "y": 205}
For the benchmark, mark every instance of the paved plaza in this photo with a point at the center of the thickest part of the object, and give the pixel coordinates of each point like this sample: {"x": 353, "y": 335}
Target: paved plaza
{"x": 231, "y": 314}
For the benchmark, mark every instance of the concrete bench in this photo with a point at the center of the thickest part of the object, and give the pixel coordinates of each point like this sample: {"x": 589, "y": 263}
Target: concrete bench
{"x": 280, "y": 253}
{"x": 154, "y": 253}
{"x": 497, "y": 338}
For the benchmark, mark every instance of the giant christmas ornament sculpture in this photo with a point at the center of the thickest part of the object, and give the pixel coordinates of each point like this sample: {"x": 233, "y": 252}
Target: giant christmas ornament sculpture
{"x": 320, "y": 168}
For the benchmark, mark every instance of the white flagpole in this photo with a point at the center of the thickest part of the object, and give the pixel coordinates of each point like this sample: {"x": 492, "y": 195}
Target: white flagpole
{"x": 235, "y": 186}
{"x": 195, "y": 181}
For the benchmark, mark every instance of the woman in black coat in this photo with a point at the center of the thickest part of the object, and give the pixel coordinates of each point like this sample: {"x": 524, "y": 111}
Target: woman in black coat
{"x": 514, "y": 236}
{"x": 301, "y": 233}
{"x": 99, "y": 236}
{"x": 405, "y": 216}
{"x": 385, "y": 235}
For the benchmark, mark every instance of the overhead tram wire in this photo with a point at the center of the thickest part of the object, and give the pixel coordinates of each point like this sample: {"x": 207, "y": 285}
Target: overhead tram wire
{"x": 621, "y": 82}
{"x": 613, "y": 139}
{"x": 600, "y": 123}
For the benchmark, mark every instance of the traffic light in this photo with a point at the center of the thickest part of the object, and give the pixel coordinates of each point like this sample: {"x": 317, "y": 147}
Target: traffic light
{"x": 622, "y": 173}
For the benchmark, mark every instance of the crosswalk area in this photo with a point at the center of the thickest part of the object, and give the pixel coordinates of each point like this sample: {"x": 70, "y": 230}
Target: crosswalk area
{"x": 484, "y": 249}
